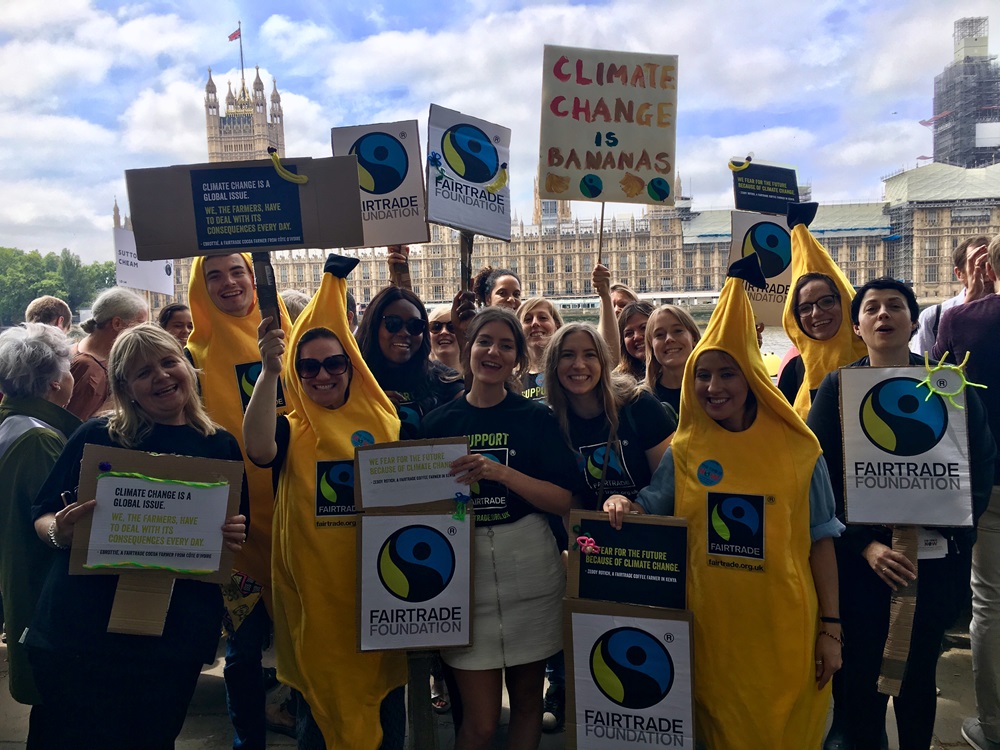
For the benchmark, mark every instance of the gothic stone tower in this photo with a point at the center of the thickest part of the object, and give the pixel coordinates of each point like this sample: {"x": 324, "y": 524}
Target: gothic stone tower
{"x": 244, "y": 132}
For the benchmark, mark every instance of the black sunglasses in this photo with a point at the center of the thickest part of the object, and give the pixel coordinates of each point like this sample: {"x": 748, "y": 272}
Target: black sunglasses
{"x": 437, "y": 325}
{"x": 336, "y": 364}
{"x": 394, "y": 324}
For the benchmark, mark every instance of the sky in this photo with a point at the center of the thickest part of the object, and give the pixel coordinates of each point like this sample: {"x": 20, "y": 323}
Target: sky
{"x": 92, "y": 88}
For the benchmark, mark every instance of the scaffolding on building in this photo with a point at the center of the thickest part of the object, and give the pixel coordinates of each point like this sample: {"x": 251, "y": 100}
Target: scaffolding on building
{"x": 966, "y": 119}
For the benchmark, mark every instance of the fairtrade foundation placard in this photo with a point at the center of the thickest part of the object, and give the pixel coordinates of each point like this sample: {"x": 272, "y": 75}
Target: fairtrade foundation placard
{"x": 765, "y": 187}
{"x": 391, "y": 180}
{"x": 608, "y": 126}
{"x": 467, "y": 171}
{"x": 410, "y": 474}
{"x": 155, "y": 513}
{"x": 629, "y": 676}
{"x": 644, "y": 563}
{"x": 229, "y": 207}
{"x": 151, "y": 275}
{"x": 906, "y": 449}
{"x": 415, "y": 579}
{"x": 769, "y": 238}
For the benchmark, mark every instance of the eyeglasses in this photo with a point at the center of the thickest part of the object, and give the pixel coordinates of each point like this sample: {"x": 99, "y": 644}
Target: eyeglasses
{"x": 336, "y": 364}
{"x": 437, "y": 325}
{"x": 825, "y": 302}
{"x": 394, "y": 324}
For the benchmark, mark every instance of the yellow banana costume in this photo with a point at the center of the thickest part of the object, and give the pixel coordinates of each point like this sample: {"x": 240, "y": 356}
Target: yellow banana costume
{"x": 224, "y": 348}
{"x": 746, "y": 498}
{"x": 315, "y": 556}
{"x": 819, "y": 357}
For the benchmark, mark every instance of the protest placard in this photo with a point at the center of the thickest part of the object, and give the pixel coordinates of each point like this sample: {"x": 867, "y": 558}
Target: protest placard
{"x": 608, "y": 126}
{"x": 410, "y": 474}
{"x": 765, "y": 188}
{"x": 768, "y": 237}
{"x": 151, "y": 275}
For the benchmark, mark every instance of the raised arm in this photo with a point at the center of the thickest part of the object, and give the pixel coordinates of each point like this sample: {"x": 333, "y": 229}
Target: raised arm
{"x": 260, "y": 419}
{"x": 608, "y": 322}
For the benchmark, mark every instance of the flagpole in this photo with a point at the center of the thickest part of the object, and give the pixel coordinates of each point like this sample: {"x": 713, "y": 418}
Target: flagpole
{"x": 239, "y": 28}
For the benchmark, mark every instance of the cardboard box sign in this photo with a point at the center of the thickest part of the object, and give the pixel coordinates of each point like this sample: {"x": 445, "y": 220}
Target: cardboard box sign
{"x": 228, "y": 207}
{"x": 415, "y": 582}
{"x": 645, "y": 563}
{"x": 765, "y": 187}
{"x": 629, "y": 676}
{"x": 906, "y": 449}
{"x": 158, "y": 518}
{"x": 408, "y": 476}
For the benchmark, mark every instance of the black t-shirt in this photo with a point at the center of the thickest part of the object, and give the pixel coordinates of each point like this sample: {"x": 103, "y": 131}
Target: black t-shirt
{"x": 519, "y": 433}
{"x": 642, "y": 424}
{"x": 73, "y": 611}
{"x": 534, "y": 386}
{"x": 670, "y": 396}
{"x": 791, "y": 379}
{"x": 442, "y": 386}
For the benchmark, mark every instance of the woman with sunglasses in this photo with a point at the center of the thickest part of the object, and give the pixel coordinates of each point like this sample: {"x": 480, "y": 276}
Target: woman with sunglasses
{"x": 347, "y": 699}
{"x": 539, "y": 320}
{"x": 444, "y": 343}
{"x": 395, "y": 344}
{"x": 521, "y": 471}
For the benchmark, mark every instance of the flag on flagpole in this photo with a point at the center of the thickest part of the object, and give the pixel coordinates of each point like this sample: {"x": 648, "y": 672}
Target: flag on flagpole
{"x": 234, "y": 36}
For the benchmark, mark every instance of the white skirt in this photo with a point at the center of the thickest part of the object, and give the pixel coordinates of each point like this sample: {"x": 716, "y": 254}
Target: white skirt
{"x": 520, "y": 582}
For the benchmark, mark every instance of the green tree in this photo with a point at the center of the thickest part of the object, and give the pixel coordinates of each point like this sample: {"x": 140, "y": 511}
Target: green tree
{"x": 101, "y": 276}
{"x": 75, "y": 279}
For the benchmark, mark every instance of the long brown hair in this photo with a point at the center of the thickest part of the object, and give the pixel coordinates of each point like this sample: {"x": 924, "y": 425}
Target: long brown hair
{"x": 653, "y": 368}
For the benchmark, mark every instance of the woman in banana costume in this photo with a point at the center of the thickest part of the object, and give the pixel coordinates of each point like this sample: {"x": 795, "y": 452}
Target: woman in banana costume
{"x": 746, "y": 473}
{"x": 350, "y": 700}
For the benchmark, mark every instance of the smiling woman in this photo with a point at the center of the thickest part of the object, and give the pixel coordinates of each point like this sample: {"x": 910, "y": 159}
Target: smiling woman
{"x": 73, "y": 655}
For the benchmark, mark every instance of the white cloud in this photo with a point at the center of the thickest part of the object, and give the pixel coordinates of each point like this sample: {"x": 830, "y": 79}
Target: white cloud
{"x": 168, "y": 121}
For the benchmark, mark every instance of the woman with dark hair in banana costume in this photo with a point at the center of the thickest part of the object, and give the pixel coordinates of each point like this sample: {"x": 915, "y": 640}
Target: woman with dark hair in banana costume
{"x": 349, "y": 700}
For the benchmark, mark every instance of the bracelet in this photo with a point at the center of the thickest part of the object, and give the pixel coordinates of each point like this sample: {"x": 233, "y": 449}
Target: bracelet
{"x": 828, "y": 634}
{"x": 52, "y": 536}
{"x": 830, "y": 620}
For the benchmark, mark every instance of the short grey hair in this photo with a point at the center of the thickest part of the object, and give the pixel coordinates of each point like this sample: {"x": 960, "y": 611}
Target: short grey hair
{"x": 32, "y": 356}
{"x": 116, "y": 302}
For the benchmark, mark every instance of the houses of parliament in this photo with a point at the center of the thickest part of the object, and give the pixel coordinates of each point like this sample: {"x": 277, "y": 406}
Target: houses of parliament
{"x": 667, "y": 254}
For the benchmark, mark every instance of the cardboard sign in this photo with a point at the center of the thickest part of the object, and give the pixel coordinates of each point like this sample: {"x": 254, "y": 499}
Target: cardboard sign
{"x": 142, "y": 597}
{"x": 159, "y": 518}
{"x": 644, "y": 563}
{"x": 629, "y": 677}
{"x": 765, "y": 188}
{"x": 467, "y": 171}
{"x": 224, "y": 208}
{"x": 151, "y": 275}
{"x": 767, "y": 236}
{"x": 608, "y": 126}
{"x": 410, "y": 474}
{"x": 393, "y": 203}
{"x": 906, "y": 449}
{"x": 415, "y": 579}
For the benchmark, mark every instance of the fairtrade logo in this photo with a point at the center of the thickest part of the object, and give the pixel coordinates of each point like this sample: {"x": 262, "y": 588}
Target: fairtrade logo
{"x": 772, "y": 245}
{"x": 246, "y": 379}
{"x": 591, "y": 186}
{"x": 540, "y": 379}
{"x": 469, "y": 153}
{"x": 408, "y": 414}
{"x": 896, "y": 418}
{"x": 168, "y": 268}
{"x": 736, "y": 525}
{"x": 334, "y": 487}
{"x": 416, "y": 563}
{"x": 474, "y": 487}
{"x": 632, "y": 668}
{"x": 382, "y": 162}
{"x": 658, "y": 189}
{"x": 596, "y": 461}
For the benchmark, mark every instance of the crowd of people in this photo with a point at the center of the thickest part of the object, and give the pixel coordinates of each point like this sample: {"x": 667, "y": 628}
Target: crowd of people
{"x": 622, "y": 416}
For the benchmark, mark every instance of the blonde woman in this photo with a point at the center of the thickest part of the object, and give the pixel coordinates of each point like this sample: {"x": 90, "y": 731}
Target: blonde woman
{"x": 539, "y": 320}
{"x": 107, "y": 686}
{"x": 671, "y": 334}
